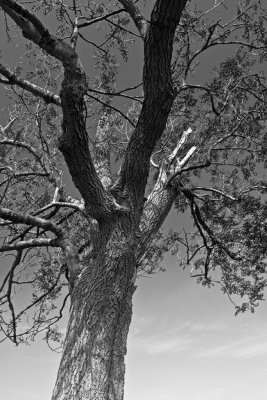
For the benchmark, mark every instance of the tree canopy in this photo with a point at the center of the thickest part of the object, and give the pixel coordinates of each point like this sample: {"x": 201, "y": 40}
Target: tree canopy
{"x": 188, "y": 133}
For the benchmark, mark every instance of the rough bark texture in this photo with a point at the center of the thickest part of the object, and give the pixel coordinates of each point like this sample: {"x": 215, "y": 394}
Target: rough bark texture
{"x": 159, "y": 96}
{"x": 114, "y": 220}
{"x": 92, "y": 365}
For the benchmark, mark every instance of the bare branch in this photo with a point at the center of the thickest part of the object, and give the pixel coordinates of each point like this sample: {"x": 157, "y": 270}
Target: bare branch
{"x": 13, "y": 79}
{"x": 205, "y": 46}
{"x": 26, "y": 244}
{"x": 240, "y": 42}
{"x": 121, "y": 28}
{"x": 40, "y": 298}
{"x": 202, "y": 226}
{"x": 74, "y": 141}
{"x": 102, "y": 152}
{"x": 214, "y": 191}
{"x": 110, "y": 106}
{"x": 59, "y": 204}
{"x": 27, "y": 219}
{"x": 257, "y": 187}
{"x": 8, "y": 126}
{"x": 119, "y": 94}
{"x": 209, "y": 91}
{"x": 33, "y": 151}
{"x": 98, "y": 19}
{"x": 156, "y": 208}
{"x": 180, "y": 164}
{"x": 180, "y": 144}
{"x": 75, "y": 33}
{"x": 137, "y": 16}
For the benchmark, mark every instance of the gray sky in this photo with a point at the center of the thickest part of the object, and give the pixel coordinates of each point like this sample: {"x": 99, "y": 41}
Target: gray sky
{"x": 184, "y": 343}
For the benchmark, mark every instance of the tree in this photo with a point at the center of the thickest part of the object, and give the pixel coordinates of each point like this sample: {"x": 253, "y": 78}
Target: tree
{"x": 174, "y": 140}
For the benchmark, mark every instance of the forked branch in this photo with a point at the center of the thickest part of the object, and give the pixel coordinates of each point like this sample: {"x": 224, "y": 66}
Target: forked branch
{"x": 74, "y": 141}
{"x": 137, "y": 16}
{"x": 159, "y": 95}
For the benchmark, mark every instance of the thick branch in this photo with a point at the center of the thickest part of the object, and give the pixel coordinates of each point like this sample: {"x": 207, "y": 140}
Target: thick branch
{"x": 27, "y": 219}
{"x": 13, "y": 79}
{"x": 155, "y": 211}
{"x": 31, "y": 27}
{"x": 74, "y": 141}
{"x": 26, "y": 244}
{"x": 181, "y": 142}
{"x": 102, "y": 152}
{"x": 72, "y": 259}
{"x": 159, "y": 95}
{"x": 163, "y": 195}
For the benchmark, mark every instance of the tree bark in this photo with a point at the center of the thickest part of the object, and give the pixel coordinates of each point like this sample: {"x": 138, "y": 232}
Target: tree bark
{"x": 92, "y": 366}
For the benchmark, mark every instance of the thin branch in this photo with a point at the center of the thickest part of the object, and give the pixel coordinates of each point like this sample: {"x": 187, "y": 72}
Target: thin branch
{"x": 130, "y": 88}
{"x": 98, "y": 19}
{"x": 231, "y": 42}
{"x": 204, "y": 47}
{"x": 92, "y": 43}
{"x": 202, "y": 224}
{"x": 8, "y": 126}
{"x": 28, "y": 147}
{"x": 53, "y": 286}
{"x": 123, "y": 29}
{"x": 112, "y": 108}
{"x": 115, "y": 94}
{"x": 208, "y": 90}
{"x": 60, "y": 204}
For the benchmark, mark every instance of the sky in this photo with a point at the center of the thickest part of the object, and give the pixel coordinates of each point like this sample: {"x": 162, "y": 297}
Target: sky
{"x": 184, "y": 343}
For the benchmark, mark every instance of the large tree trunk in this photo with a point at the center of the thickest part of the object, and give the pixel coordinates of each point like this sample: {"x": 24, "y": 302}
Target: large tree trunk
{"x": 92, "y": 365}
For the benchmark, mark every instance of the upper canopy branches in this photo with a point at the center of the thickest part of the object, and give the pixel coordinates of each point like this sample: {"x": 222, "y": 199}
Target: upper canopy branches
{"x": 74, "y": 141}
{"x": 159, "y": 95}
{"x": 195, "y": 141}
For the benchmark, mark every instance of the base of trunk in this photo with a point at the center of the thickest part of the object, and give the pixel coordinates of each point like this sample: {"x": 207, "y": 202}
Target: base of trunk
{"x": 92, "y": 365}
